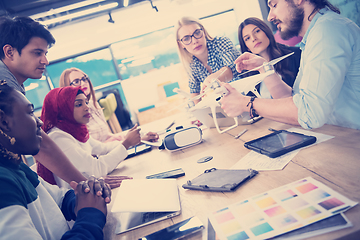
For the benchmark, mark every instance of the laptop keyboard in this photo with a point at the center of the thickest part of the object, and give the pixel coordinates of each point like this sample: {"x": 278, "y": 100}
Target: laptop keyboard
{"x": 149, "y": 216}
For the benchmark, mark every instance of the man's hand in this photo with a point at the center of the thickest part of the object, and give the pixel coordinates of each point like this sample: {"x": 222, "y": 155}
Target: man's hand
{"x": 234, "y": 103}
{"x": 248, "y": 61}
{"x": 115, "y": 181}
{"x": 90, "y": 194}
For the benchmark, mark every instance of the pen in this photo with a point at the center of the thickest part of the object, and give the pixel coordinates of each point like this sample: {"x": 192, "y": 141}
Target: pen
{"x": 255, "y": 119}
{"x": 166, "y": 129}
{"x": 241, "y": 133}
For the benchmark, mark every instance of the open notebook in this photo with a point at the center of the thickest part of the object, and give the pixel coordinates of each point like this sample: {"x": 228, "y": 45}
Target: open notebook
{"x": 140, "y": 202}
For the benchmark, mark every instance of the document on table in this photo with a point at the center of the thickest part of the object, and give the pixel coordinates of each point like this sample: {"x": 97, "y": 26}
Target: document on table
{"x": 281, "y": 210}
{"x": 262, "y": 162}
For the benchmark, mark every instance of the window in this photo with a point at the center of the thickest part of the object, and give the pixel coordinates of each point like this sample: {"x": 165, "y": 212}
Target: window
{"x": 36, "y": 90}
{"x": 141, "y": 54}
{"x": 97, "y": 65}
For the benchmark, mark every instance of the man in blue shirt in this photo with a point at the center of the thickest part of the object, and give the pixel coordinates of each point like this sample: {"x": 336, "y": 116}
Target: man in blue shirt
{"x": 327, "y": 87}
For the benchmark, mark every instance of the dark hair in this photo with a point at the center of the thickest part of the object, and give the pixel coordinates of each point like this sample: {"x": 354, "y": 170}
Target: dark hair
{"x": 319, "y": 4}
{"x": 18, "y": 31}
{"x": 274, "y": 49}
{"x": 6, "y": 98}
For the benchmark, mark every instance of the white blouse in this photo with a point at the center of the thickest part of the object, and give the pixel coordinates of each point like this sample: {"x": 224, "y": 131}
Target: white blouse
{"x": 107, "y": 155}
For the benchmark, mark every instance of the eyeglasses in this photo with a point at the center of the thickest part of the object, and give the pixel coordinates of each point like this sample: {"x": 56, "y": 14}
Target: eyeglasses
{"x": 187, "y": 39}
{"x": 77, "y": 82}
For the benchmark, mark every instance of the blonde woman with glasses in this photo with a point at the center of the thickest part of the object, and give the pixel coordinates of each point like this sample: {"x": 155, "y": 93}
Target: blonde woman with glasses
{"x": 97, "y": 126}
{"x": 204, "y": 58}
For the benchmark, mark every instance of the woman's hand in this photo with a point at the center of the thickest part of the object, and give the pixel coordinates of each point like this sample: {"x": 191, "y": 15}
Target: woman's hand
{"x": 223, "y": 75}
{"x": 115, "y": 181}
{"x": 133, "y": 137}
{"x": 234, "y": 103}
{"x": 90, "y": 194}
{"x": 248, "y": 61}
{"x": 207, "y": 82}
{"x": 151, "y": 137}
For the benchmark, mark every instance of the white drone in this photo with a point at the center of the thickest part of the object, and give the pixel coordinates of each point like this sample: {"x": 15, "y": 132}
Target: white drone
{"x": 213, "y": 93}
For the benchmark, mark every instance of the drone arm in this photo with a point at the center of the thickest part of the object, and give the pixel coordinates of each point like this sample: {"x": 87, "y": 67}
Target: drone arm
{"x": 213, "y": 112}
{"x": 194, "y": 95}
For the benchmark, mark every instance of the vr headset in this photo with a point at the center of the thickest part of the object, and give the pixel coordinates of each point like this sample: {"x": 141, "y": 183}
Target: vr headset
{"x": 182, "y": 138}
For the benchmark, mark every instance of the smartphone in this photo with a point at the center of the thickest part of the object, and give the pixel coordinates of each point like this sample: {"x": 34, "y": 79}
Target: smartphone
{"x": 279, "y": 143}
{"x": 178, "y": 230}
{"x": 179, "y": 172}
{"x": 139, "y": 149}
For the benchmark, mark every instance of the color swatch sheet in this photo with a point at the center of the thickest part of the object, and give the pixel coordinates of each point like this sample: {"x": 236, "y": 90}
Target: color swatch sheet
{"x": 278, "y": 211}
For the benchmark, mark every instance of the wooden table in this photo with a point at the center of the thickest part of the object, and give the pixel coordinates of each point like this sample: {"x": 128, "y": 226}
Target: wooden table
{"x": 334, "y": 162}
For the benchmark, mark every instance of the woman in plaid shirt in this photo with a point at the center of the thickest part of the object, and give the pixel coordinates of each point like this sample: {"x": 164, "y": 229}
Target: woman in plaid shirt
{"x": 204, "y": 58}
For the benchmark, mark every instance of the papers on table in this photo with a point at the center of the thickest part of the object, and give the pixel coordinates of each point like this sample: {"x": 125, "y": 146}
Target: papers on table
{"x": 147, "y": 195}
{"x": 261, "y": 162}
{"x": 280, "y": 210}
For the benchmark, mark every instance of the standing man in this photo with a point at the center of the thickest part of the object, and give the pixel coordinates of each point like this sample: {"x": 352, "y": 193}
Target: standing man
{"x": 24, "y": 44}
{"x": 327, "y": 87}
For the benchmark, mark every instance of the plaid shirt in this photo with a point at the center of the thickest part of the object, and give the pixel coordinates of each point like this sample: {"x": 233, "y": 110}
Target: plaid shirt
{"x": 222, "y": 52}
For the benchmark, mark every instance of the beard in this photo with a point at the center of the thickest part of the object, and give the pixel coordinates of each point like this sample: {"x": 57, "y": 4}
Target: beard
{"x": 295, "y": 22}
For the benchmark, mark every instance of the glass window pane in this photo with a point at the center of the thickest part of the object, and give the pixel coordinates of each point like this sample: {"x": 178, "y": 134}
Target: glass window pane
{"x": 36, "y": 90}
{"x": 230, "y": 29}
{"x": 141, "y": 54}
{"x": 97, "y": 65}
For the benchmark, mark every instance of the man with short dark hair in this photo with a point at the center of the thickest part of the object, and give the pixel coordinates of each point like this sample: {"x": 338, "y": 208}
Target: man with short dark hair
{"x": 24, "y": 44}
{"x": 327, "y": 87}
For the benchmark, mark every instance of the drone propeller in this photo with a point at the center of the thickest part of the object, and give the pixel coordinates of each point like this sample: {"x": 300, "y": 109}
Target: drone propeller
{"x": 272, "y": 63}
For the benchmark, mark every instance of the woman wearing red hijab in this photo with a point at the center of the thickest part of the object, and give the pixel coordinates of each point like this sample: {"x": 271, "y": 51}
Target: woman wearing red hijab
{"x": 65, "y": 114}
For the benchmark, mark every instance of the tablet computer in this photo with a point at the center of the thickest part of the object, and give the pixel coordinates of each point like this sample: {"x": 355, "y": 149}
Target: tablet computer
{"x": 279, "y": 142}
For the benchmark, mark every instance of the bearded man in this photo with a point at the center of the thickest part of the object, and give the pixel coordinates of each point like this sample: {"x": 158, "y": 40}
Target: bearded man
{"x": 327, "y": 87}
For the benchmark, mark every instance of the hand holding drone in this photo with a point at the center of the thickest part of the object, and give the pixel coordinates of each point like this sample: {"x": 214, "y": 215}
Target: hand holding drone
{"x": 212, "y": 93}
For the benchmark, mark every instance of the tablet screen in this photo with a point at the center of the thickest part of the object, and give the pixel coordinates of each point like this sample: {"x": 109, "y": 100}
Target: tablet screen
{"x": 278, "y": 141}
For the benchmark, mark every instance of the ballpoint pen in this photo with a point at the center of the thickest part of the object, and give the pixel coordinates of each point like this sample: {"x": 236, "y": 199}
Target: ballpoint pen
{"x": 241, "y": 133}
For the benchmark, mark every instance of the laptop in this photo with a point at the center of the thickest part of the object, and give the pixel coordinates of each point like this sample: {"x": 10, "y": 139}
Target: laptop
{"x": 140, "y": 202}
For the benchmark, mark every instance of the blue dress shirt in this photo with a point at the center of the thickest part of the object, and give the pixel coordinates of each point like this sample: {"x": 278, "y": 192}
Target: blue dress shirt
{"x": 327, "y": 88}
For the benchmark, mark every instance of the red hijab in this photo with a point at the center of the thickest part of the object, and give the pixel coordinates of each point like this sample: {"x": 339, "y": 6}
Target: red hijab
{"x": 58, "y": 111}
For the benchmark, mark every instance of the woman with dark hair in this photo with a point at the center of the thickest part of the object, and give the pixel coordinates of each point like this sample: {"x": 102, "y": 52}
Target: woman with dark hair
{"x": 65, "y": 113}
{"x": 255, "y": 36}
{"x": 30, "y": 207}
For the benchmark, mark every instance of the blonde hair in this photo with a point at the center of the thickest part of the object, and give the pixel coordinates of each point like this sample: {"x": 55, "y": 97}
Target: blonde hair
{"x": 186, "y": 58}
{"x": 64, "y": 81}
